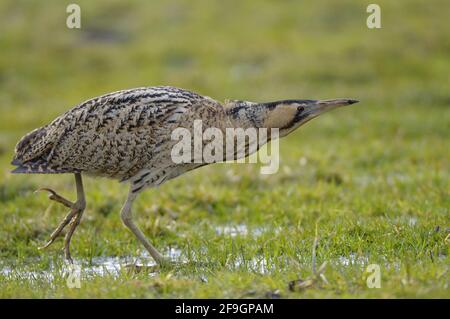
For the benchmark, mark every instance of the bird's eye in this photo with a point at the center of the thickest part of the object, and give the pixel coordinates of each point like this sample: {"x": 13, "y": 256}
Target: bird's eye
{"x": 300, "y": 108}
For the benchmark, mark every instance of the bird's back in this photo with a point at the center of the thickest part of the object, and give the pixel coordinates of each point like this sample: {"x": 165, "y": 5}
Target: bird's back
{"x": 113, "y": 135}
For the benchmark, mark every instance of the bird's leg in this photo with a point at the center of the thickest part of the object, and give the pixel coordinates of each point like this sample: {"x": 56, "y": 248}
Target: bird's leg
{"x": 73, "y": 217}
{"x": 127, "y": 219}
{"x": 79, "y": 207}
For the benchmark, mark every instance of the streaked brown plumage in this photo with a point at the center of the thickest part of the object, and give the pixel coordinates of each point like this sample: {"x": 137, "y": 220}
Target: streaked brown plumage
{"x": 126, "y": 135}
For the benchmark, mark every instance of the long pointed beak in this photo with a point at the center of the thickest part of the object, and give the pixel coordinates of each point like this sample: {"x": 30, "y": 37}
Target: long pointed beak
{"x": 322, "y": 106}
{"x": 337, "y": 102}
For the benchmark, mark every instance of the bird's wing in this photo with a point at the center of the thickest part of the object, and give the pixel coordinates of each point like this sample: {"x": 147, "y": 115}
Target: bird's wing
{"x": 110, "y": 135}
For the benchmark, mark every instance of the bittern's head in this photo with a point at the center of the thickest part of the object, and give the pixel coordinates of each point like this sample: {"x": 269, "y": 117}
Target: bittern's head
{"x": 288, "y": 115}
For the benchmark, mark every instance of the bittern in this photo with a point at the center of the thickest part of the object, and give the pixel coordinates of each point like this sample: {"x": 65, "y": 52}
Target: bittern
{"x": 126, "y": 135}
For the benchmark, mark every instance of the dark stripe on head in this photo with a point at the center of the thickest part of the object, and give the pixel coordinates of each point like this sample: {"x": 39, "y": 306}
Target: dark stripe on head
{"x": 274, "y": 104}
{"x": 299, "y": 116}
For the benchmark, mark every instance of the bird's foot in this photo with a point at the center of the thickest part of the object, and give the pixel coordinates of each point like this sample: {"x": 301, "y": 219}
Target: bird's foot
{"x": 57, "y": 198}
{"x": 72, "y": 218}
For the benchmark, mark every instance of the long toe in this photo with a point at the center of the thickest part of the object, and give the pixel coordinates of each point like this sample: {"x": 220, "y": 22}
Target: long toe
{"x": 60, "y": 228}
{"x": 73, "y": 226}
{"x": 56, "y": 197}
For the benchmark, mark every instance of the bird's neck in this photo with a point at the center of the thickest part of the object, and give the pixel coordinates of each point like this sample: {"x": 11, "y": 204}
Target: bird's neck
{"x": 242, "y": 114}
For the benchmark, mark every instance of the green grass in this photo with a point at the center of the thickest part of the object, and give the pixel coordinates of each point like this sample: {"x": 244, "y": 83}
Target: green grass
{"x": 374, "y": 177}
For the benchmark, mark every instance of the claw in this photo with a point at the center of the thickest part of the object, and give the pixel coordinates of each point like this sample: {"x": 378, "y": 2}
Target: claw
{"x": 46, "y": 245}
{"x": 45, "y": 189}
{"x": 57, "y": 198}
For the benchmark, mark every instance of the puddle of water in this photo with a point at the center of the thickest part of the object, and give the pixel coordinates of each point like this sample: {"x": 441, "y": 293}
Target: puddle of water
{"x": 232, "y": 230}
{"x": 9, "y": 272}
{"x": 258, "y": 265}
{"x": 353, "y": 259}
{"x": 363, "y": 261}
{"x": 241, "y": 230}
{"x": 114, "y": 265}
{"x": 100, "y": 266}
{"x": 410, "y": 221}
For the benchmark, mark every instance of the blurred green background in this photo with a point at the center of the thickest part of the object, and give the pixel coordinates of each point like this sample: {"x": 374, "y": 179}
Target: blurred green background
{"x": 373, "y": 176}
